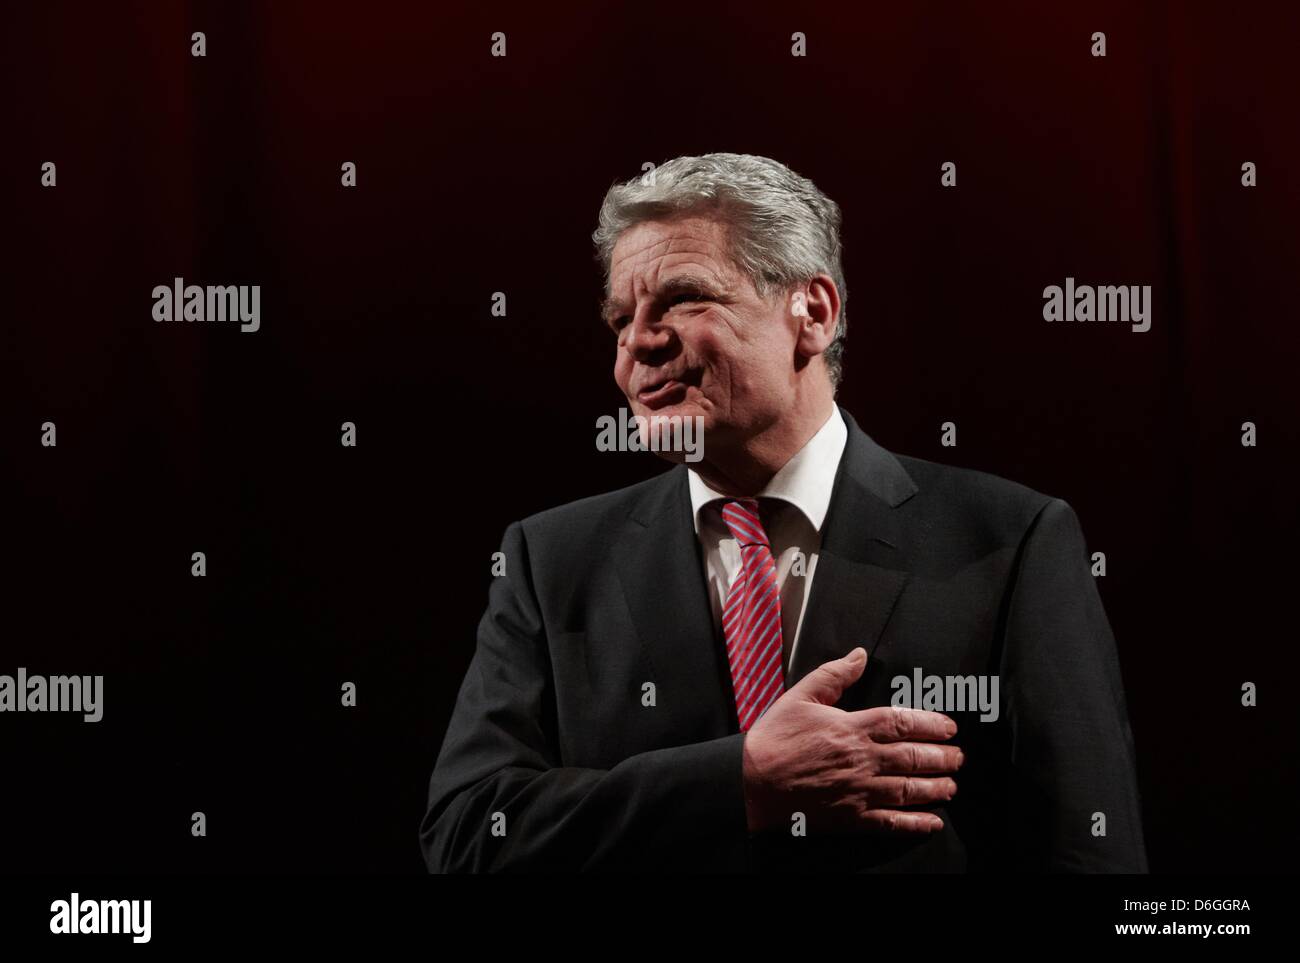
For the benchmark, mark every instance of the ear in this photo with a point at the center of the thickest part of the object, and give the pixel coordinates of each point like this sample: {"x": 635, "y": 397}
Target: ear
{"x": 815, "y": 310}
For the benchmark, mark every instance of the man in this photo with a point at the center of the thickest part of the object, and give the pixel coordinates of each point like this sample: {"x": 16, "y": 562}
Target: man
{"x": 696, "y": 672}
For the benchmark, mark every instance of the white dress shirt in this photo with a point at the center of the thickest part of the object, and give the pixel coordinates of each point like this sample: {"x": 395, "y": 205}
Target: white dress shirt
{"x": 792, "y": 507}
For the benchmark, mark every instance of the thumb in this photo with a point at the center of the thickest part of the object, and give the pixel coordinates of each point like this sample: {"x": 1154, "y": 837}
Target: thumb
{"x": 827, "y": 682}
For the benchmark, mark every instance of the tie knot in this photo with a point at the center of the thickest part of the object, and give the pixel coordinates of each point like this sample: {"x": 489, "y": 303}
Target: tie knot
{"x": 741, "y": 516}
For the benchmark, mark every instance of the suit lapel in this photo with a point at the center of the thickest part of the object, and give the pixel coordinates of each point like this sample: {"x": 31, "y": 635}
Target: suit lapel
{"x": 661, "y": 571}
{"x": 861, "y": 567}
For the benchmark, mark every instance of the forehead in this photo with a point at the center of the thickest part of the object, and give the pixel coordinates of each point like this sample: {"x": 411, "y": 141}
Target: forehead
{"x": 647, "y": 250}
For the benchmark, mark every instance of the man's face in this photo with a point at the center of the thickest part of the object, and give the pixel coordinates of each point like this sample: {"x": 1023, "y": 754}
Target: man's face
{"x": 694, "y": 337}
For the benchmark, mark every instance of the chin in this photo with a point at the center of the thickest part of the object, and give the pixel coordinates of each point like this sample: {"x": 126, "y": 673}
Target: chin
{"x": 675, "y": 432}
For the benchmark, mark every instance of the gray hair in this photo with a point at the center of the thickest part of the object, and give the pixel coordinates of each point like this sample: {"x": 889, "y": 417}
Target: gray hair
{"x": 782, "y": 230}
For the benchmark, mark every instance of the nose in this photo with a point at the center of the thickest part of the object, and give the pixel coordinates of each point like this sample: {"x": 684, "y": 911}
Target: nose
{"x": 646, "y": 338}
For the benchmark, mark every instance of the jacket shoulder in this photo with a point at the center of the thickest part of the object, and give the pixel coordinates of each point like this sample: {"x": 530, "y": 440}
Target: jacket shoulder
{"x": 593, "y": 513}
{"x": 998, "y": 506}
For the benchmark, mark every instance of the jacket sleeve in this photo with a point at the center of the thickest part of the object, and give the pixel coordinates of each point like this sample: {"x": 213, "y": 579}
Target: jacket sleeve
{"x": 500, "y": 800}
{"x": 1072, "y": 752}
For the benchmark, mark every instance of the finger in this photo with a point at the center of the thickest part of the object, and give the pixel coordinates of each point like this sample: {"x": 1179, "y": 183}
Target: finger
{"x": 900, "y": 724}
{"x": 891, "y": 822}
{"x": 826, "y": 683}
{"x": 909, "y": 790}
{"x": 902, "y": 758}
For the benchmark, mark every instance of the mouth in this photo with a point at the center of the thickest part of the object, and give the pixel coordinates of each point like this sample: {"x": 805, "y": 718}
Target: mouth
{"x": 667, "y": 390}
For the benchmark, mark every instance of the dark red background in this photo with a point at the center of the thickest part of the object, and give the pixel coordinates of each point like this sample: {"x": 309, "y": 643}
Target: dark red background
{"x": 478, "y": 175}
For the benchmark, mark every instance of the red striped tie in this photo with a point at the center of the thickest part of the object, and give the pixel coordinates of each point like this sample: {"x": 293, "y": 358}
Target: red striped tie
{"x": 751, "y": 619}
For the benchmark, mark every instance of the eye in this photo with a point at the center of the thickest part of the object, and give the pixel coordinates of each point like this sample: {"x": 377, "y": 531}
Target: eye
{"x": 690, "y": 296}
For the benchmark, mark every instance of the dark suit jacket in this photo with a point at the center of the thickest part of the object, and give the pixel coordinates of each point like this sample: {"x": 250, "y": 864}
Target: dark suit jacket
{"x": 952, "y": 570}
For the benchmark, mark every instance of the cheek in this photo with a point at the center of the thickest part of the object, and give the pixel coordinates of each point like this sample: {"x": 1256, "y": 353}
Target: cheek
{"x": 770, "y": 358}
{"x": 705, "y": 347}
{"x": 622, "y": 367}
{"x": 749, "y": 369}
{"x": 733, "y": 357}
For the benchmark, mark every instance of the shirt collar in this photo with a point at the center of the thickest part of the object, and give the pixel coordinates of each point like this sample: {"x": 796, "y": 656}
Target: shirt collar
{"x": 805, "y": 481}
